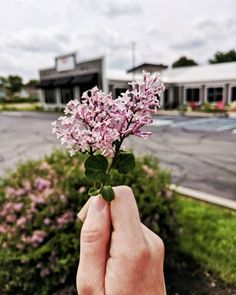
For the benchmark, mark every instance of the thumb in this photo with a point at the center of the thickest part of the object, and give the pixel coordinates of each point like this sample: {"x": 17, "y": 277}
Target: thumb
{"x": 95, "y": 235}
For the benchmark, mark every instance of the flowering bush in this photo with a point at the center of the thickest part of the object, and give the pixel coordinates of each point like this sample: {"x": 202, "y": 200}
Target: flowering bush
{"x": 39, "y": 234}
{"x": 99, "y": 125}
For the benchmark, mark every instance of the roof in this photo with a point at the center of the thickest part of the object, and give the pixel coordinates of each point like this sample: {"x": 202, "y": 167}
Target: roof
{"x": 119, "y": 75}
{"x": 145, "y": 65}
{"x": 202, "y": 73}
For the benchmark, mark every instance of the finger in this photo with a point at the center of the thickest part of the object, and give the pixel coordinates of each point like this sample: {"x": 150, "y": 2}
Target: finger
{"x": 83, "y": 212}
{"x": 125, "y": 216}
{"x": 156, "y": 244}
{"x": 95, "y": 235}
{"x": 157, "y": 249}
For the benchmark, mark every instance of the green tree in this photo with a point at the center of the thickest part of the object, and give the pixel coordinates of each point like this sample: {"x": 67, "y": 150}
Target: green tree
{"x": 15, "y": 84}
{"x": 32, "y": 83}
{"x": 220, "y": 57}
{"x": 3, "y": 82}
{"x": 183, "y": 61}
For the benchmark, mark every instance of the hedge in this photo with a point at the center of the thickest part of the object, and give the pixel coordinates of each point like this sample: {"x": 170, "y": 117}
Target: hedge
{"x": 39, "y": 233}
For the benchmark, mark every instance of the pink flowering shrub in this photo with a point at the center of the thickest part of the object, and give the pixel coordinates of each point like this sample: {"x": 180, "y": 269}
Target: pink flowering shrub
{"x": 39, "y": 234}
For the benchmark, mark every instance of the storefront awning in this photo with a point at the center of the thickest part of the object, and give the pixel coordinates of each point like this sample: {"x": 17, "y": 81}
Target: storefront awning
{"x": 45, "y": 83}
{"x": 62, "y": 82}
{"x": 83, "y": 79}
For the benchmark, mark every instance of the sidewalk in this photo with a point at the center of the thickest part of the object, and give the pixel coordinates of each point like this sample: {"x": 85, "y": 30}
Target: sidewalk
{"x": 192, "y": 114}
{"x": 219, "y": 201}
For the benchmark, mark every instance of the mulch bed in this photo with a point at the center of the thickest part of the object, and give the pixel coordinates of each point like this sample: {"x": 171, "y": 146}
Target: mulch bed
{"x": 185, "y": 277}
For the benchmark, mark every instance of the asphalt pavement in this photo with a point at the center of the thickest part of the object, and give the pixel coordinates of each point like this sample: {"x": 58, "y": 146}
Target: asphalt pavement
{"x": 201, "y": 157}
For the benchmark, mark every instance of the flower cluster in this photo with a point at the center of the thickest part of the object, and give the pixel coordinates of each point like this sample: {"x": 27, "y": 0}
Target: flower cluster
{"x": 20, "y": 227}
{"x": 99, "y": 121}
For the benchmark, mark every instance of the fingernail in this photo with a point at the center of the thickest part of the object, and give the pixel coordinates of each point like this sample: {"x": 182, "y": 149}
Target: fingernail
{"x": 98, "y": 204}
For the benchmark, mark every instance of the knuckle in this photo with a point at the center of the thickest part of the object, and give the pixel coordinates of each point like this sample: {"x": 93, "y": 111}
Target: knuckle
{"x": 160, "y": 247}
{"x": 139, "y": 255}
{"x": 85, "y": 289}
{"x": 90, "y": 236}
{"x": 144, "y": 254}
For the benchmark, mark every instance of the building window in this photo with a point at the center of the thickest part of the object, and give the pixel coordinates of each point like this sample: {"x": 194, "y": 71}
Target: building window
{"x": 118, "y": 91}
{"x": 215, "y": 94}
{"x": 192, "y": 95}
{"x": 233, "y": 93}
{"x": 50, "y": 96}
{"x": 66, "y": 95}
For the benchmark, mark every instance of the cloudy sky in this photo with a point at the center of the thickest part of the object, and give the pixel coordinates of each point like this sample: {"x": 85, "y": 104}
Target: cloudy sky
{"x": 33, "y": 32}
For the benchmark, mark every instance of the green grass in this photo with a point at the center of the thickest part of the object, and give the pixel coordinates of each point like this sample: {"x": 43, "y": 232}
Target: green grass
{"x": 209, "y": 235}
{"x": 19, "y": 106}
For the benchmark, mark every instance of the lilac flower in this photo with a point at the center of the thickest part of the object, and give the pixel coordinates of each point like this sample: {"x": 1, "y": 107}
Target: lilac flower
{"x": 64, "y": 219}
{"x": 37, "y": 238}
{"x": 41, "y": 184}
{"x": 87, "y": 126}
{"x": 99, "y": 121}
{"x": 136, "y": 107}
{"x": 21, "y": 222}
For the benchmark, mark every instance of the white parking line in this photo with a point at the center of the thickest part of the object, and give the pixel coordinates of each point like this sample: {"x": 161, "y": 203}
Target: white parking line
{"x": 161, "y": 122}
{"x": 209, "y": 124}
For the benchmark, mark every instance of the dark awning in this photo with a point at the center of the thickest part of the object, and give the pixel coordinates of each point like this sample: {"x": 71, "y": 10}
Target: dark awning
{"x": 62, "y": 82}
{"x": 82, "y": 79}
{"x": 45, "y": 83}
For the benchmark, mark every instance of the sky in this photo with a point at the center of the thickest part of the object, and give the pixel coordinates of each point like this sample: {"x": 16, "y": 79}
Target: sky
{"x": 33, "y": 32}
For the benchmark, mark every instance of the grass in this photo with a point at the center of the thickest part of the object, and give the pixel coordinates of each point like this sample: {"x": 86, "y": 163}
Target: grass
{"x": 19, "y": 106}
{"x": 209, "y": 235}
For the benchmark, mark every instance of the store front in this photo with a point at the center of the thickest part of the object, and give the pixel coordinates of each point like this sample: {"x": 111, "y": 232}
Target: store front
{"x": 64, "y": 82}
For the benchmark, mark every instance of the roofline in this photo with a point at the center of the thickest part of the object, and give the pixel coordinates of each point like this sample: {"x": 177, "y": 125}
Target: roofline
{"x": 102, "y": 57}
{"x": 146, "y": 64}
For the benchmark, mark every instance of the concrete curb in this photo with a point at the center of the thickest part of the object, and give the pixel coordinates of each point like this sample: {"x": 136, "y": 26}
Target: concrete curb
{"x": 219, "y": 201}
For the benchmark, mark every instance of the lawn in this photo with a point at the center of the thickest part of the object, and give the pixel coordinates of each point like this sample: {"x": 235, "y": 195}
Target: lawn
{"x": 19, "y": 106}
{"x": 208, "y": 233}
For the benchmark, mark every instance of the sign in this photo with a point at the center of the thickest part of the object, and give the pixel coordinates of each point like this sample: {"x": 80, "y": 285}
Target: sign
{"x": 65, "y": 63}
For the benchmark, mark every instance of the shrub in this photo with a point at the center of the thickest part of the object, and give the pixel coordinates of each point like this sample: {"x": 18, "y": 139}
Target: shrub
{"x": 233, "y": 106}
{"x": 39, "y": 241}
{"x": 31, "y": 99}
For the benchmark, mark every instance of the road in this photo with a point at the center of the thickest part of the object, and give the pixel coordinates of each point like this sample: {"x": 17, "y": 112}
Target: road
{"x": 202, "y": 160}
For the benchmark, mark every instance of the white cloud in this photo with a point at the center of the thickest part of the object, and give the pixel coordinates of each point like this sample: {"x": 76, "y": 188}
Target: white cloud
{"x": 33, "y": 32}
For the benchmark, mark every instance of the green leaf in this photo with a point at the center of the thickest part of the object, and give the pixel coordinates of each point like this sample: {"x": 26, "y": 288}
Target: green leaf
{"x": 93, "y": 191}
{"x": 107, "y": 193}
{"x": 95, "y": 168}
{"x": 124, "y": 162}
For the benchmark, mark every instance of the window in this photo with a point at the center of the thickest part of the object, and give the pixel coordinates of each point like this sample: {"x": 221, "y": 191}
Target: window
{"x": 192, "y": 95}
{"x": 215, "y": 94}
{"x": 66, "y": 95}
{"x": 233, "y": 93}
{"x": 50, "y": 96}
{"x": 118, "y": 91}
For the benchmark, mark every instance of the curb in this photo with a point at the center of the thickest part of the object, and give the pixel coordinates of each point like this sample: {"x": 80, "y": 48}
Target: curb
{"x": 205, "y": 197}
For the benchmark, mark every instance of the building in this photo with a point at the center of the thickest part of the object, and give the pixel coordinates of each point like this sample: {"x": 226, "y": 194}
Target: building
{"x": 3, "y": 92}
{"x": 68, "y": 79}
{"x": 186, "y": 85}
{"x": 210, "y": 83}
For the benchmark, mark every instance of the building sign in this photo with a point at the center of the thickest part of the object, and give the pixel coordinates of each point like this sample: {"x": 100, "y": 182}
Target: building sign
{"x": 65, "y": 63}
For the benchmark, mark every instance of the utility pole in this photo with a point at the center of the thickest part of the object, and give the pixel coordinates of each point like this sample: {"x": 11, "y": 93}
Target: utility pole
{"x": 133, "y": 57}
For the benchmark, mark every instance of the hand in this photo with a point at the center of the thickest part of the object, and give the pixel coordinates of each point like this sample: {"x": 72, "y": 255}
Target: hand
{"x": 119, "y": 255}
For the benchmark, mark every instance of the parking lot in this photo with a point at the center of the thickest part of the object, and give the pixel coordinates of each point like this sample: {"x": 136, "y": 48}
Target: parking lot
{"x": 201, "y": 153}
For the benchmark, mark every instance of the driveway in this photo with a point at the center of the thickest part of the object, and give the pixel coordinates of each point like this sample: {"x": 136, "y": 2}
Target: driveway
{"x": 201, "y": 158}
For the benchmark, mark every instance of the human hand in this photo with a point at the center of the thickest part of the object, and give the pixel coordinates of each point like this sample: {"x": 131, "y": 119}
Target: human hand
{"x": 118, "y": 255}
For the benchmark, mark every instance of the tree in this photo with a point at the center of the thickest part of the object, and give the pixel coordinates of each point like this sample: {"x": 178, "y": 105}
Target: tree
{"x": 220, "y": 57}
{"x": 32, "y": 83}
{"x": 183, "y": 61}
{"x": 3, "y": 82}
{"x": 15, "y": 84}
